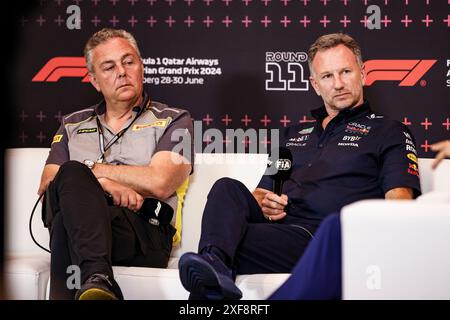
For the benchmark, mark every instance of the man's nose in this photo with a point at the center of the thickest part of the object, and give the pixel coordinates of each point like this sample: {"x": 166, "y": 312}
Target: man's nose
{"x": 338, "y": 83}
{"x": 121, "y": 70}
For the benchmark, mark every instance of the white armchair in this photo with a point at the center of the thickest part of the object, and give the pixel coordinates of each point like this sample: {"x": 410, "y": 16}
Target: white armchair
{"x": 400, "y": 249}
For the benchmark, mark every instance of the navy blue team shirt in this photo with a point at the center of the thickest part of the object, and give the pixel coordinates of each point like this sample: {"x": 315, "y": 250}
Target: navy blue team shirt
{"x": 359, "y": 155}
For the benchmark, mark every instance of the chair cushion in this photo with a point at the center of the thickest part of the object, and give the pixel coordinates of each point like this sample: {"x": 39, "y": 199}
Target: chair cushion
{"x": 26, "y": 276}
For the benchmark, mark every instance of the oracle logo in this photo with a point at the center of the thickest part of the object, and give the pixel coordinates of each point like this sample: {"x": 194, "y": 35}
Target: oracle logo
{"x": 62, "y": 67}
{"x": 408, "y": 72}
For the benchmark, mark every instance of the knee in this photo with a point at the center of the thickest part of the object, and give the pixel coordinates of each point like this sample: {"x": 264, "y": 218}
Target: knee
{"x": 226, "y": 185}
{"x": 72, "y": 168}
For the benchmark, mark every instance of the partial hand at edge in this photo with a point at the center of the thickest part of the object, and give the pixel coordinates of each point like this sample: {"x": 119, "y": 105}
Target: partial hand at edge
{"x": 443, "y": 149}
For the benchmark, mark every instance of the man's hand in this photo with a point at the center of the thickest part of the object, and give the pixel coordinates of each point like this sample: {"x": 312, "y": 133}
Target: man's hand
{"x": 47, "y": 176}
{"x": 122, "y": 196}
{"x": 271, "y": 204}
{"x": 444, "y": 152}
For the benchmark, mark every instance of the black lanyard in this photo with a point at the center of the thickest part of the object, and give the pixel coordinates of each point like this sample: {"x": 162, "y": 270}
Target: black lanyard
{"x": 116, "y": 137}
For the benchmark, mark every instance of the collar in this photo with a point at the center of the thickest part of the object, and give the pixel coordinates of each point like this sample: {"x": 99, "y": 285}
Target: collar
{"x": 321, "y": 113}
{"x": 100, "y": 108}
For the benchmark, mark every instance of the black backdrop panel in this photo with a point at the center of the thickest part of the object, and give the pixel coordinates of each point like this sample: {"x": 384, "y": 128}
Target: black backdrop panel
{"x": 243, "y": 45}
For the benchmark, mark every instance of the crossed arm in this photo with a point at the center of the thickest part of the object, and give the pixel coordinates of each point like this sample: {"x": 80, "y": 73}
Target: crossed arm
{"x": 129, "y": 185}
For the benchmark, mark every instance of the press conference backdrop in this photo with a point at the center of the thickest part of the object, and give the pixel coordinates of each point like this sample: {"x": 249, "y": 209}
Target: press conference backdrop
{"x": 236, "y": 63}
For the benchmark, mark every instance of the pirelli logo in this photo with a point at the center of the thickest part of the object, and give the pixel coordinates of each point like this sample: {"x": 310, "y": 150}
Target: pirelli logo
{"x": 158, "y": 123}
{"x": 408, "y": 72}
{"x": 87, "y": 130}
{"x": 57, "y": 138}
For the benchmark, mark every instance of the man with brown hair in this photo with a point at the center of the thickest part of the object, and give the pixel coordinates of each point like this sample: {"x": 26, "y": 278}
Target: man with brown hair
{"x": 351, "y": 153}
{"x": 111, "y": 181}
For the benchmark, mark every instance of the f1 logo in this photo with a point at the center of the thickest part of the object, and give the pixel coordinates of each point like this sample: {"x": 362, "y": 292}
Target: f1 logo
{"x": 60, "y": 67}
{"x": 408, "y": 72}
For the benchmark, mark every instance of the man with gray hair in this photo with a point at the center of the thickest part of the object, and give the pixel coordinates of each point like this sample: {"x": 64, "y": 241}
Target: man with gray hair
{"x": 350, "y": 153}
{"x": 113, "y": 186}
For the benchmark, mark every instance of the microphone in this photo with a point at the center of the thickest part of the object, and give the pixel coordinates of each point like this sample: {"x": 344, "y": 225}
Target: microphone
{"x": 282, "y": 164}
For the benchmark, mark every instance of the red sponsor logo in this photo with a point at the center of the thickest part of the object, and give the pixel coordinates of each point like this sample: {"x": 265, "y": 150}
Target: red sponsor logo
{"x": 408, "y": 72}
{"x": 61, "y": 67}
{"x": 359, "y": 130}
{"x": 413, "y": 172}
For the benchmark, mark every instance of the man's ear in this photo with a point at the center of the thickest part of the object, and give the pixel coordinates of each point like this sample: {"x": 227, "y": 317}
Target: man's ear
{"x": 363, "y": 74}
{"x": 93, "y": 81}
{"x": 314, "y": 84}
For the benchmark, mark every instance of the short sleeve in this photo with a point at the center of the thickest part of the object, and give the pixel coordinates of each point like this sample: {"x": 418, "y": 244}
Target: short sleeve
{"x": 399, "y": 164}
{"x": 178, "y": 137}
{"x": 59, "y": 149}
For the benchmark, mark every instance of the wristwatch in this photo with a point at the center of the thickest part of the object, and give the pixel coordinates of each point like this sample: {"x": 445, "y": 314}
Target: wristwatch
{"x": 89, "y": 163}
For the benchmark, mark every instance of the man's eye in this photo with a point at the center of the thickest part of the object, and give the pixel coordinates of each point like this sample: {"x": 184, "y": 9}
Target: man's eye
{"x": 128, "y": 62}
{"x": 108, "y": 68}
{"x": 326, "y": 76}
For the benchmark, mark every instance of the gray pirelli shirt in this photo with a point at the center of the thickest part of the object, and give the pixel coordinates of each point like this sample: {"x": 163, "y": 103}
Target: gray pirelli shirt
{"x": 157, "y": 128}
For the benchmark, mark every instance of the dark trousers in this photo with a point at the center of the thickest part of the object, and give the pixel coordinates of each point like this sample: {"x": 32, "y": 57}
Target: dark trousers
{"x": 233, "y": 222}
{"x": 91, "y": 233}
{"x": 318, "y": 274}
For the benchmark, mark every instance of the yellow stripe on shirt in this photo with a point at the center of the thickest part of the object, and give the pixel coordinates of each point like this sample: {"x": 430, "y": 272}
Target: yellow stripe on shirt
{"x": 181, "y": 193}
